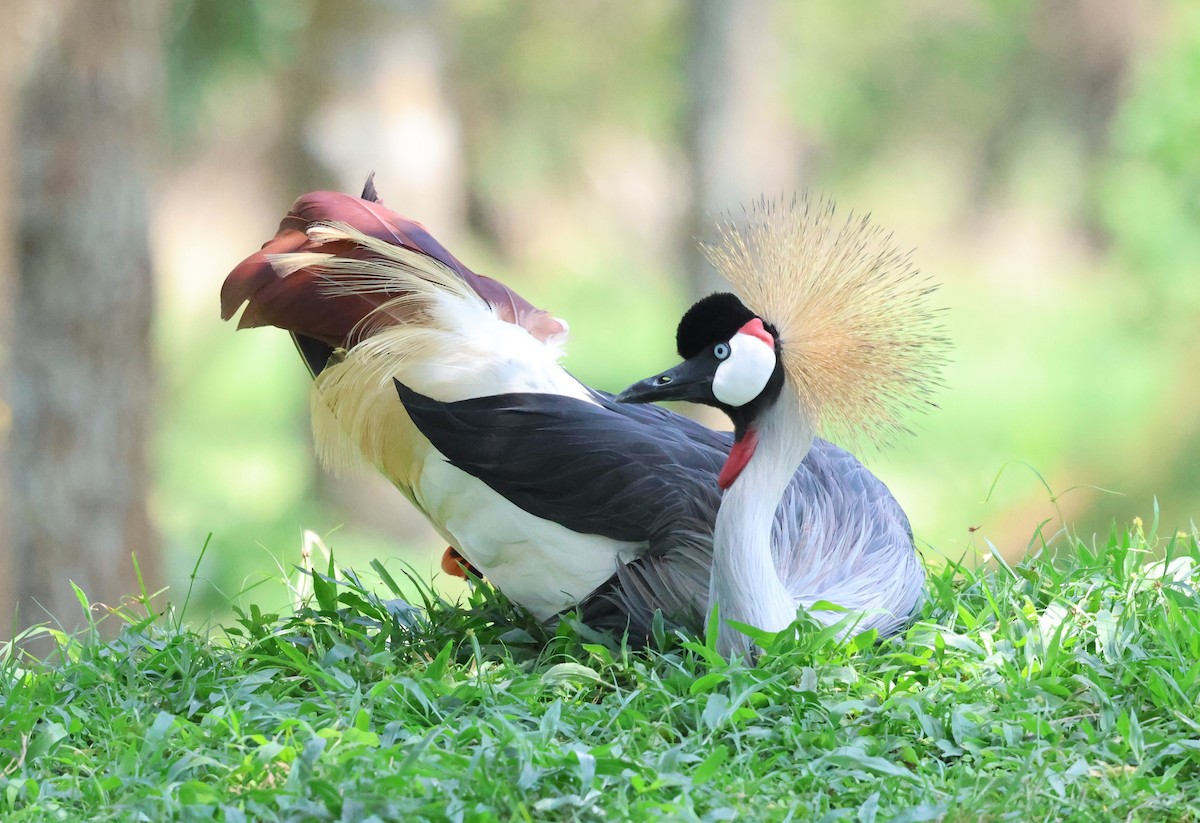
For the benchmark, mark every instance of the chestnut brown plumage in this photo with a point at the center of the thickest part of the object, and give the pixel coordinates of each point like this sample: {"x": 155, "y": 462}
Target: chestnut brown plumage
{"x": 298, "y": 298}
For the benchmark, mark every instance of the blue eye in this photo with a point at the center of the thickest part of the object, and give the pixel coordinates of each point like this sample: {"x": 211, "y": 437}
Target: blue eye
{"x": 721, "y": 351}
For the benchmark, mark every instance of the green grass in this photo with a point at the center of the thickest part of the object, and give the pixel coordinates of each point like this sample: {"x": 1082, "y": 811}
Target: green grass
{"x": 1056, "y": 689}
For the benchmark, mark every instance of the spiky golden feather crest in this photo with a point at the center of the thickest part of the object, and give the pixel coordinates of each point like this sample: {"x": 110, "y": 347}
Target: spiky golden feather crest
{"x": 861, "y": 342}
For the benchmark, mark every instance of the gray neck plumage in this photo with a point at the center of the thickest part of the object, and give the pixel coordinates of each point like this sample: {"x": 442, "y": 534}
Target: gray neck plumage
{"x": 745, "y": 583}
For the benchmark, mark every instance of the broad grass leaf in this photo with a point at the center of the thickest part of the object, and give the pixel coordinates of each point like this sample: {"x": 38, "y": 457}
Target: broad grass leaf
{"x": 851, "y": 758}
{"x": 706, "y": 683}
{"x": 575, "y": 673}
{"x": 708, "y": 767}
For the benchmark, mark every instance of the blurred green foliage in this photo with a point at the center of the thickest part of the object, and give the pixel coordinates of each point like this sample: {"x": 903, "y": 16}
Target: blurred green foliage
{"x": 533, "y": 78}
{"x": 214, "y": 41}
{"x": 1150, "y": 188}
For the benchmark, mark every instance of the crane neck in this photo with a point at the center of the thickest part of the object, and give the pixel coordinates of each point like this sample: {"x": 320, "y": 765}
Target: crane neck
{"x": 745, "y": 582}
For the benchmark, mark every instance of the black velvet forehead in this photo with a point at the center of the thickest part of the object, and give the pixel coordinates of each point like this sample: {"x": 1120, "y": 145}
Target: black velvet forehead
{"x": 711, "y": 320}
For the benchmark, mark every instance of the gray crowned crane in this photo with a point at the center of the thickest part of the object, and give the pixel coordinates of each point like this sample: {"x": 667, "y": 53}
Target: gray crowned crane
{"x": 449, "y": 384}
{"x": 837, "y": 331}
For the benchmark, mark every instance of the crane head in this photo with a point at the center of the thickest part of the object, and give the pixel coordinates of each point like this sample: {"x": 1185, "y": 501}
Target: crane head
{"x": 730, "y": 361}
{"x": 859, "y": 336}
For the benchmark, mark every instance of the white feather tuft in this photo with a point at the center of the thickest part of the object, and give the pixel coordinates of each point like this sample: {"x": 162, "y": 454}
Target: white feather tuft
{"x": 436, "y": 335}
{"x": 288, "y": 264}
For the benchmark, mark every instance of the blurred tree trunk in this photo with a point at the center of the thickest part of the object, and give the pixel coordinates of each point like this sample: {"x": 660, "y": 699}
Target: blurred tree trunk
{"x": 740, "y": 144}
{"x": 1076, "y": 60}
{"x": 11, "y": 61}
{"x": 82, "y": 371}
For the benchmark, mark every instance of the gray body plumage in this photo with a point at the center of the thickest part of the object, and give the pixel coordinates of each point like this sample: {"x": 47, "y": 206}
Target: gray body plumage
{"x": 839, "y": 536}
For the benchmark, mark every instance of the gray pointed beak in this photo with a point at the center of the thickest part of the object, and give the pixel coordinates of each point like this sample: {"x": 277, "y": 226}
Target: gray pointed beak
{"x": 690, "y": 380}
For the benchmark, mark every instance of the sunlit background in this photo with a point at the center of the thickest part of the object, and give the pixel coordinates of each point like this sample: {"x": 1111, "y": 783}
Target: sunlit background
{"x": 1042, "y": 158}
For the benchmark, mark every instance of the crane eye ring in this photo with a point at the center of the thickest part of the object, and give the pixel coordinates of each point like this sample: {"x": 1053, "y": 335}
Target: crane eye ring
{"x": 721, "y": 351}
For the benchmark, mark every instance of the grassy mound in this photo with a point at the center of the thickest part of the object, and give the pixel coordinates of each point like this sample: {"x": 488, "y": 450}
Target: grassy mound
{"x": 1061, "y": 688}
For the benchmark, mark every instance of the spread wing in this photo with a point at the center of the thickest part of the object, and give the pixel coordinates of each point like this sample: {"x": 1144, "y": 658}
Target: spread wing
{"x": 625, "y": 472}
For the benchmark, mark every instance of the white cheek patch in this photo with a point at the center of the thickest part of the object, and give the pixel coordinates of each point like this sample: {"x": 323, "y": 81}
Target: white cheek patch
{"x": 743, "y": 375}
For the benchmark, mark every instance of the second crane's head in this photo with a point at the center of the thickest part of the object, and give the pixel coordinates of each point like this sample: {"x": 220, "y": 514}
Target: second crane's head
{"x": 730, "y": 361}
{"x": 832, "y": 327}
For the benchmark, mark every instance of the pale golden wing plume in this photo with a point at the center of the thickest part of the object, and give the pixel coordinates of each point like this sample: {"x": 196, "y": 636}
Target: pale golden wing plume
{"x": 862, "y": 342}
{"x": 366, "y": 292}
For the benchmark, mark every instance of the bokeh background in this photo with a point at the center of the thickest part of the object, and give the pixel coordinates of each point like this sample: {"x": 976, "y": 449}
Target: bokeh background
{"x": 1042, "y": 158}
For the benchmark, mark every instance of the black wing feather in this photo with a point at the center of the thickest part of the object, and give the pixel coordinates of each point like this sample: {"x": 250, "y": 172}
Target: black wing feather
{"x": 597, "y": 468}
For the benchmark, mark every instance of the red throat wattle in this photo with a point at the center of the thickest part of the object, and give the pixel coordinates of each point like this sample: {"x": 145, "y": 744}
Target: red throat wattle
{"x": 739, "y": 456}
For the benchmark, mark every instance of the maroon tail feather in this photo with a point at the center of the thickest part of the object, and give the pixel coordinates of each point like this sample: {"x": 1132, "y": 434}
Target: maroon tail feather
{"x": 299, "y": 304}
